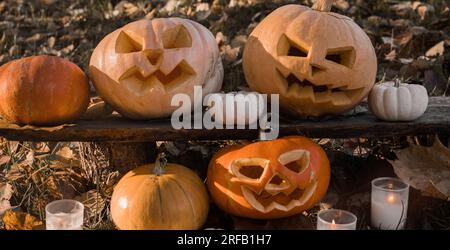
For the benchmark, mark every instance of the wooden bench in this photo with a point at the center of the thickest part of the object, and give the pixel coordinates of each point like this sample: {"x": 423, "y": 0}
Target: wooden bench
{"x": 436, "y": 120}
{"x": 121, "y": 142}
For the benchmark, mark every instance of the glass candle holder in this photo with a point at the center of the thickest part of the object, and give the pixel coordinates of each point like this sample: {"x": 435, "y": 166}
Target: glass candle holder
{"x": 389, "y": 204}
{"x": 336, "y": 219}
{"x": 64, "y": 215}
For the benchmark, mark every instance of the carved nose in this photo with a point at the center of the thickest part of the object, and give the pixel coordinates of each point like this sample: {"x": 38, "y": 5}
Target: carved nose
{"x": 154, "y": 56}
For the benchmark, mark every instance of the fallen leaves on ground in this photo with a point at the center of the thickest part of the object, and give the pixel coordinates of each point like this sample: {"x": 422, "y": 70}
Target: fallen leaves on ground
{"x": 6, "y": 191}
{"x": 425, "y": 168}
{"x": 21, "y": 221}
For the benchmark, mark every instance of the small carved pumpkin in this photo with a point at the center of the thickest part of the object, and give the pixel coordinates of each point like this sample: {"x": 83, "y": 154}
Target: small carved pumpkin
{"x": 138, "y": 68}
{"x": 319, "y": 62}
{"x": 395, "y": 101}
{"x": 42, "y": 90}
{"x": 149, "y": 197}
{"x": 269, "y": 179}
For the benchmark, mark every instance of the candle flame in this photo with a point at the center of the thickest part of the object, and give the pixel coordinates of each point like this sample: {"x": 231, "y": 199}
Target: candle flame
{"x": 391, "y": 198}
{"x": 333, "y": 225}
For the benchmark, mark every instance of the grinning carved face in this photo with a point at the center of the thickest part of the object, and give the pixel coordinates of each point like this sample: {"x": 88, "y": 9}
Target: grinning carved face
{"x": 269, "y": 179}
{"x": 320, "y": 63}
{"x": 139, "y": 68}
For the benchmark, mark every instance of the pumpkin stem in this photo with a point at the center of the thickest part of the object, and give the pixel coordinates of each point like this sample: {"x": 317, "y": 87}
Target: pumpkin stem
{"x": 323, "y": 5}
{"x": 397, "y": 83}
{"x": 160, "y": 163}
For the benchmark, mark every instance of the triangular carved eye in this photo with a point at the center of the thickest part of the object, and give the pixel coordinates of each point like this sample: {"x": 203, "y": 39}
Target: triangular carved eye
{"x": 287, "y": 47}
{"x": 249, "y": 168}
{"x": 127, "y": 42}
{"x": 296, "y": 160}
{"x": 177, "y": 37}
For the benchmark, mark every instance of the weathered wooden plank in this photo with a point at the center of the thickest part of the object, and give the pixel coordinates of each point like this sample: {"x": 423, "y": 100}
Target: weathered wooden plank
{"x": 435, "y": 120}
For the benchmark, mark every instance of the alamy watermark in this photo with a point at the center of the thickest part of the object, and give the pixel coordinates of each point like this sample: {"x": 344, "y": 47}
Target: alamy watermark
{"x": 227, "y": 111}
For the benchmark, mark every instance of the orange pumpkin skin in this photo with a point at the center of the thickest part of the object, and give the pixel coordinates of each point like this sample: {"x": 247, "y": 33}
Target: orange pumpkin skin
{"x": 319, "y": 62}
{"x": 176, "y": 199}
{"x": 42, "y": 90}
{"x": 294, "y": 174}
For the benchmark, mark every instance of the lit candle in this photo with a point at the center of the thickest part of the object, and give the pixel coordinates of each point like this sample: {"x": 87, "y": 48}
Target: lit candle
{"x": 336, "y": 219}
{"x": 64, "y": 215}
{"x": 389, "y": 203}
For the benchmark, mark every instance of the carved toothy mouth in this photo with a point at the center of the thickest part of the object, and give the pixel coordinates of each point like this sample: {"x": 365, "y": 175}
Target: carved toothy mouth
{"x": 278, "y": 192}
{"x": 141, "y": 84}
{"x": 266, "y": 201}
{"x": 304, "y": 89}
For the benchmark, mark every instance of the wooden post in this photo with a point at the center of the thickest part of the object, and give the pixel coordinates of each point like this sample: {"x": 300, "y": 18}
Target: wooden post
{"x": 98, "y": 159}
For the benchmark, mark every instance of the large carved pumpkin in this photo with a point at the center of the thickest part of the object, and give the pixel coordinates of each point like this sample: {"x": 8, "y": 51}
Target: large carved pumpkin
{"x": 138, "y": 68}
{"x": 269, "y": 179}
{"x": 319, "y": 62}
{"x": 150, "y": 198}
{"x": 42, "y": 90}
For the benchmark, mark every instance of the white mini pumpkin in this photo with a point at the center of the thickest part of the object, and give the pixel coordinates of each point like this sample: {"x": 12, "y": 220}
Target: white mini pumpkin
{"x": 395, "y": 101}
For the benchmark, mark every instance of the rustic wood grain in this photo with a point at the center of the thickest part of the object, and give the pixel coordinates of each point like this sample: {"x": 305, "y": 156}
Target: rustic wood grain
{"x": 436, "y": 120}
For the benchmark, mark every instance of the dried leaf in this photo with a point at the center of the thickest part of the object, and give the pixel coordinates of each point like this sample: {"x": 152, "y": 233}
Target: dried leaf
{"x": 21, "y": 221}
{"x": 230, "y": 54}
{"x": 221, "y": 38}
{"x": 404, "y": 38}
{"x": 67, "y": 49}
{"x": 5, "y": 205}
{"x": 14, "y": 173}
{"x": 41, "y": 147}
{"x": 13, "y": 145}
{"x": 341, "y": 4}
{"x": 98, "y": 110}
{"x": 436, "y": 50}
{"x": 425, "y": 168}
{"x": 4, "y": 159}
{"x": 6, "y": 191}
{"x": 391, "y": 55}
{"x": 65, "y": 153}
{"x": 36, "y": 37}
{"x": 29, "y": 158}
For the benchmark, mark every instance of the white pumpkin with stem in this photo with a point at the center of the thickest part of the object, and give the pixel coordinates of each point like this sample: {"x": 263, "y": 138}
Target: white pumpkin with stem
{"x": 396, "y": 101}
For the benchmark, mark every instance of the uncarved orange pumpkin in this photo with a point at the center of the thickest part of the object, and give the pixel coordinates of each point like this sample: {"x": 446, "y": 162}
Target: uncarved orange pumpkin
{"x": 319, "y": 62}
{"x": 138, "y": 68}
{"x": 42, "y": 90}
{"x": 269, "y": 179}
{"x": 146, "y": 198}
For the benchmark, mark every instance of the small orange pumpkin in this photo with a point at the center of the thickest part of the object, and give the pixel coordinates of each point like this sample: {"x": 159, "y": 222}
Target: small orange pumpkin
{"x": 42, "y": 90}
{"x": 319, "y": 62}
{"x": 149, "y": 197}
{"x": 269, "y": 179}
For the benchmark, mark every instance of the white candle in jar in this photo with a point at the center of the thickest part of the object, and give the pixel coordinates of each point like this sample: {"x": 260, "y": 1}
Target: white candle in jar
{"x": 64, "y": 215}
{"x": 389, "y": 204}
{"x": 336, "y": 219}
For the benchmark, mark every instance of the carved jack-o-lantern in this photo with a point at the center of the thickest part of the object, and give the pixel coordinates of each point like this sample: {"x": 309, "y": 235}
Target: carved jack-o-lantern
{"x": 319, "y": 62}
{"x": 270, "y": 179}
{"x": 138, "y": 68}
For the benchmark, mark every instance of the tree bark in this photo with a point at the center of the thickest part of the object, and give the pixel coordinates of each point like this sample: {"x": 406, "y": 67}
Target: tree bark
{"x": 101, "y": 160}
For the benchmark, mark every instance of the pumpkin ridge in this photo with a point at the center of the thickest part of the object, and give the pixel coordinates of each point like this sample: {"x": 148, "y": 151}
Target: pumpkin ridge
{"x": 194, "y": 215}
